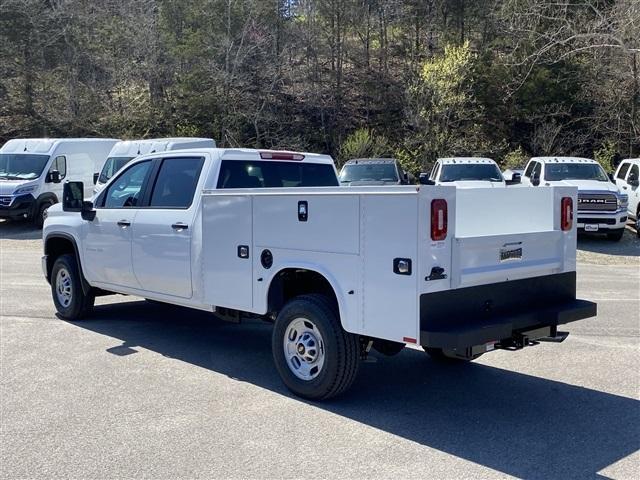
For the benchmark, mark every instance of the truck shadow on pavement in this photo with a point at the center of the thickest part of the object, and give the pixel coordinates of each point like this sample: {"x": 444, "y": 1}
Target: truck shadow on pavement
{"x": 19, "y": 230}
{"x": 628, "y": 246}
{"x": 521, "y": 425}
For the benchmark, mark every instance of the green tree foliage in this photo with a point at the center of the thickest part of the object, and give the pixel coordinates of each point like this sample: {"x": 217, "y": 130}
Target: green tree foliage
{"x": 432, "y": 77}
{"x": 364, "y": 143}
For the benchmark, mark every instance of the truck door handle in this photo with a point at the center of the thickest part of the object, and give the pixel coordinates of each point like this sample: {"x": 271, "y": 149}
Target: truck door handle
{"x": 124, "y": 223}
{"x": 179, "y": 226}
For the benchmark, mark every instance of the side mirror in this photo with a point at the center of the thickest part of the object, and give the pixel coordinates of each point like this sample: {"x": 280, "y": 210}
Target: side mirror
{"x": 72, "y": 196}
{"x": 53, "y": 176}
{"x": 424, "y": 179}
{"x": 633, "y": 181}
{"x": 515, "y": 179}
{"x": 95, "y": 178}
{"x": 87, "y": 212}
{"x": 535, "y": 181}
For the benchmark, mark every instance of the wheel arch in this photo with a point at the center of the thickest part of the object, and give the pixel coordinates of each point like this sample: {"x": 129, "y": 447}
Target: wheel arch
{"x": 57, "y": 244}
{"x": 300, "y": 279}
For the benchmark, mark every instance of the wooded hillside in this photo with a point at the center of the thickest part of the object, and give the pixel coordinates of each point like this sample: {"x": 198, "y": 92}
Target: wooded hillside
{"x": 415, "y": 79}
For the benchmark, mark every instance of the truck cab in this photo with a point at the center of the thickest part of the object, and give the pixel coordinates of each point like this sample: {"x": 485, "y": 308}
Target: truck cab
{"x": 246, "y": 233}
{"x": 467, "y": 172}
{"x": 602, "y": 208}
{"x": 627, "y": 178}
{"x": 32, "y": 169}
{"x": 125, "y": 151}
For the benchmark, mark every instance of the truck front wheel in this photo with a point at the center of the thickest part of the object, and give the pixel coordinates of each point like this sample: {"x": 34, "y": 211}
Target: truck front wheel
{"x": 314, "y": 356}
{"x": 66, "y": 288}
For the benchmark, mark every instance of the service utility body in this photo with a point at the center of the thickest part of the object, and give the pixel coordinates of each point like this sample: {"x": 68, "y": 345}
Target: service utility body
{"x": 271, "y": 235}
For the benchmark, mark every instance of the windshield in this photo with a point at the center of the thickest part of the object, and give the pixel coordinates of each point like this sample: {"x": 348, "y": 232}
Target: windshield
{"x": 20, "y": 166}
{"x": 111, "y": 166}
{"x": 487, "y": 172}
{"x": 574, "y": 171}
{"x": 367, "y": 172}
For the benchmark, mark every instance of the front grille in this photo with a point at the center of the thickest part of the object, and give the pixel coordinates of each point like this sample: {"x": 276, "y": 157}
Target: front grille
{"x": 595, "y": 221}
{"x": 5, "y": 200}
{"x": 600, "y": 202}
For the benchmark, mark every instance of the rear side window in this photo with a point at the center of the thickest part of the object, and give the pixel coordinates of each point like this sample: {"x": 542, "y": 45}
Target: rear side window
{"x": 261, "y": 174}
{"x": 622, "y": 173}
{"x": 176, "y": 182}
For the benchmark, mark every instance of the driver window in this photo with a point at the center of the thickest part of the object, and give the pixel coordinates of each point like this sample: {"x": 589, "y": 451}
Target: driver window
{"x": 126, "y": 190}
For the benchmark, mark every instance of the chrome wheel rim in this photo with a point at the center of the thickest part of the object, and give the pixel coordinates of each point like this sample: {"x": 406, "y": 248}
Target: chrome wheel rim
{"x": 64, "y": 291}
{"x": 304, "y": 349}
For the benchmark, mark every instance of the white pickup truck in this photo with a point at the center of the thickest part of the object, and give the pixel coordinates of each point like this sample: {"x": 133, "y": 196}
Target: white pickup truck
{"x": 247, "y": 233}
{"x": 466, "y": 172}
{"x": 602, "y": 208}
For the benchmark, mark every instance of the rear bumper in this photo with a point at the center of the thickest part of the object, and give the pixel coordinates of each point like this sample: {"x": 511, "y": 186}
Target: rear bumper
{"x": 466, "y": 317}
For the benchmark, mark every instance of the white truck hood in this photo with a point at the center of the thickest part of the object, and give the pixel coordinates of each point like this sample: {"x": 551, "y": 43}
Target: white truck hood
{"x": 7, "y": 187}
{"x": 585, "y": 185}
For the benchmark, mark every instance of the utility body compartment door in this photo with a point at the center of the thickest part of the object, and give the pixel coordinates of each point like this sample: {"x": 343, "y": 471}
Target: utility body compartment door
{"x": 226, "y": 230}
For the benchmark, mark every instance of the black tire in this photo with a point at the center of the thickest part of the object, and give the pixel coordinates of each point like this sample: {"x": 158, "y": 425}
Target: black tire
{"x": 616, "y": 235}
{"x": 387, "y": 347}
{"x": 341, "y": 349}
{"x": 438, "y": 355}
{"x": 38, "y": 220}
{"x": 79, "y": 303}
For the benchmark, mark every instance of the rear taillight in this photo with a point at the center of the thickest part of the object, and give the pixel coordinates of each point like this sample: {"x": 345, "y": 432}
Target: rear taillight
{"x": 438, "y": 219}
{"x": 566, "y": 216}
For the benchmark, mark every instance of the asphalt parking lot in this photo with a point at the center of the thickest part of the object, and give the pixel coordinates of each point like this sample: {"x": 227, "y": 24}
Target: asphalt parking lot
{"x": 161, "y": 392}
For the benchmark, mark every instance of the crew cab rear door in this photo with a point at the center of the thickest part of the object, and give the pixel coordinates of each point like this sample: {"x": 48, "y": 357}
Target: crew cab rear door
{"x": 163, "y": 228}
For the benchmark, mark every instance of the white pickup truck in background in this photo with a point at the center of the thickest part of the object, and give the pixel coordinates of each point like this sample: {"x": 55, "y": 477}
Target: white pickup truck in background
{"x": 601, "y": 206}
{"x": 627, "y": 178}
{"x": 266, "y": 234}
{"x": 466, "y": 172}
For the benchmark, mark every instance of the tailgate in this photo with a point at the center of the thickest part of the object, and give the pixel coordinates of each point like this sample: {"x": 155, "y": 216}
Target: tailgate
{"x": 510, "y": 233}
{"x": 498, "y": 258}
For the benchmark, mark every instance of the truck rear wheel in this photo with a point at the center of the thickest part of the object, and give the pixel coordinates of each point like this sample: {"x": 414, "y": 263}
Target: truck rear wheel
{"x": 66, "y": 288}
{"x": 314, "y": 356}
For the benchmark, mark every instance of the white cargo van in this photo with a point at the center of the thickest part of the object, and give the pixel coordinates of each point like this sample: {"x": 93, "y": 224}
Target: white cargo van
{"x": 31, "y": 170}
{"x": 125, "y": 151}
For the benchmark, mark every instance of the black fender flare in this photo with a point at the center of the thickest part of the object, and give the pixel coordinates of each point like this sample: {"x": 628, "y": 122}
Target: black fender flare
{"x": 48, "y": 197}
{"x": 86, "y": 288}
